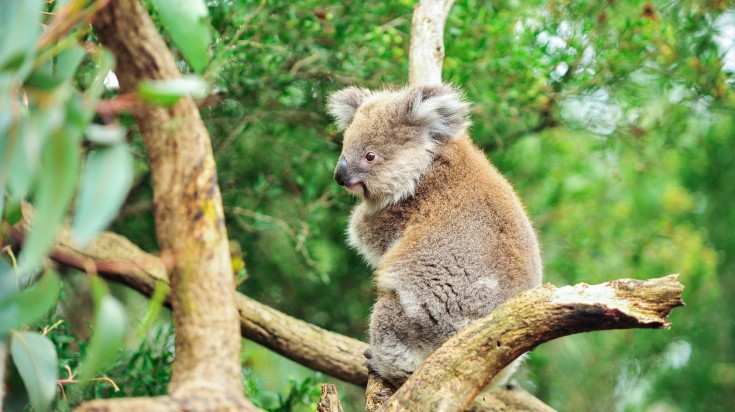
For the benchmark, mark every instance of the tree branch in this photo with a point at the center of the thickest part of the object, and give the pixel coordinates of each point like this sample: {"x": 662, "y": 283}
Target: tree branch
{"x": 117, "y": 259}
{"x": 453, "y": 376}
{"x": 426, "y": 52}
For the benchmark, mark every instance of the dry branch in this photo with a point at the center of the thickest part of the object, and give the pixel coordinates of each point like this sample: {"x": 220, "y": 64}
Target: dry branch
{"x": 426, "y": 53}
{"x": 453, "y": 376}
{"x": 329, "y": 401}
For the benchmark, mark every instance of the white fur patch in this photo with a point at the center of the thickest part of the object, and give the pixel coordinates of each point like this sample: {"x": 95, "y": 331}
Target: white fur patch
{"x": 391, "y": 282}
{"x": 489, "y": 283}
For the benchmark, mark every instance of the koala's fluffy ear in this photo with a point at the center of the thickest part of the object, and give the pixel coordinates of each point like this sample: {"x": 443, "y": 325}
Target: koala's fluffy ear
{"x": 343, "y": 104}
{"x": 439, "y": 108}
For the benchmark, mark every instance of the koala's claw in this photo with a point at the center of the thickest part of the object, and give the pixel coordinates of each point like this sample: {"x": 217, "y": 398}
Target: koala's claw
{"x": 368, "y": 353}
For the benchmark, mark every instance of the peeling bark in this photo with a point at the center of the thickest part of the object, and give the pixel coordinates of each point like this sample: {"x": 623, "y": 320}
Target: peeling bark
{"x": 329, "y": 401}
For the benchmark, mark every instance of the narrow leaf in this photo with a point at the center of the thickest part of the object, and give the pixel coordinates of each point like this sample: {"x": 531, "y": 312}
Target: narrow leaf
{"x": 68, "y": 61}
{"x": 55, "y": 187}
{"x": 19, "y": 30}
{"x": 30, "y": 305}
{"x": 35, "y": 357}
{"x": 168, "y": 92}
{"x": 186, "y": 21}
{"x": 108, "y": 334}
{"x": 106, "y": 179}
{"x": 110, "y": 134}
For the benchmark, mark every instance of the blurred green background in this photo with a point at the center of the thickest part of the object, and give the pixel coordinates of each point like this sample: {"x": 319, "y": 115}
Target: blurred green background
{"x": 614, "y": 120}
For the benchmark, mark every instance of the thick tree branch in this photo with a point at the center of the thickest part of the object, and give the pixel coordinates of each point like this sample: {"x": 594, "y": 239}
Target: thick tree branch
{"x": 453, "y": 376}
{"x": 189, "y": 220}
{"x": 426, "y": 52}
{"x": 116, "y": 258}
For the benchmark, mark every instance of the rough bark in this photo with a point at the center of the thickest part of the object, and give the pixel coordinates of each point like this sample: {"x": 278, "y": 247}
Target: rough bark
{"x": 329, "y": 401}
{"x": 453, "y": 376}
{"x": 426, "y": 52}
{"x": 117, "y": 259}
{"x": 189, "y": 223}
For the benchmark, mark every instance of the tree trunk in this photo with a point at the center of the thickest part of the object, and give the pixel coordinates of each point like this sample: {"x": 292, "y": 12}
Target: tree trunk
{"x": 426, "y": 52}
{"x": 189, "y": 223}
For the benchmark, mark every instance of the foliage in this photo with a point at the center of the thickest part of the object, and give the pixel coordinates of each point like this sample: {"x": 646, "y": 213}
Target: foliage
{"x": 613, "y": 120}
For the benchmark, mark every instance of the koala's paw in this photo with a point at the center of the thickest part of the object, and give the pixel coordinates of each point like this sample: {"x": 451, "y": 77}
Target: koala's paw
{"x": 370, "y": 364}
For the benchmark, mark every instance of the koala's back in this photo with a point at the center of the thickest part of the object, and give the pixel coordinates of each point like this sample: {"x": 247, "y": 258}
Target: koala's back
{"x": 458, "y": 248}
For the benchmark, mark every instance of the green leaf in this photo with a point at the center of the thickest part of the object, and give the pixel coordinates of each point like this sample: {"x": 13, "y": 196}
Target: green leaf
{"x": 104, "y": 61}
{"x": 106, "y": 179}
{"x": 68, "y": 61}
{"x": 109, "y": 331}
{"x": 168, "y": 92}
{"x": 55, "y": 187}
{"x": 19, "y": 29}
{"x": 28, "y": 306}
{"x": 186, "y": 21}
{"x": 110, "y": 134}
{"x": 17, "y": 396}
{"x": 35, "y": 357}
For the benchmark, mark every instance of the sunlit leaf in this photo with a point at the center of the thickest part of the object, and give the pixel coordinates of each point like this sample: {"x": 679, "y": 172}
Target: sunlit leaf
{"x": 35, "y": 357}
{"x": 106, "y": 179}
{"x": 55, "y": 187}
{"x": 168, "y": 92}
{"x": 186, "y": 21}
{"x": 109, "y": 331}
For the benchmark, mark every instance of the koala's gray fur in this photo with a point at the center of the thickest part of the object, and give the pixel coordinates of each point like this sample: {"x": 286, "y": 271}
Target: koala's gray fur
{"x": 446, "y": 234}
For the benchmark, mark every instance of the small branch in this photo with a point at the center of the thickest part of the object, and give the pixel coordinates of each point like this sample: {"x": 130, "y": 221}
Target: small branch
{"x": 426, "y": 53}
{"x": 453, "y": 376}
{"x": 329, "y": 401}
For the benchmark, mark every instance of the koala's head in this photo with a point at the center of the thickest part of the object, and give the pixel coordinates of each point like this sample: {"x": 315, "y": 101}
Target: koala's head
{"x": 392, "y": 137}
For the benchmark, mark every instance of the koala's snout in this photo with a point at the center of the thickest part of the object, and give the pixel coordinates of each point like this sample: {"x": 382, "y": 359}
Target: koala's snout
{"x": 340, "y": 173}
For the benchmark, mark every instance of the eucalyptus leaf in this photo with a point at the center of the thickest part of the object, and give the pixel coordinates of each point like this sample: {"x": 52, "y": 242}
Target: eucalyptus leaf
{"x": 106, "y": 179}
{"x": 186, "y": 22}
{"x": 104, "y": 62}
{"x": 108, "y": 334}
{"x": 109, "y": 134}
{"x": 30, "y": 305}
{"x": 19, "y": 29}
{"x": 35, "y": 358}
{"x": 54, "y": 190}
{"x": 168, "y": 92}
{"x": 68, "y": 61}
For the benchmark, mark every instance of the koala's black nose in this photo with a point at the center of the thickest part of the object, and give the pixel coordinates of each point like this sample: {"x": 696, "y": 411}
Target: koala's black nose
{"x": 340, "y": 173}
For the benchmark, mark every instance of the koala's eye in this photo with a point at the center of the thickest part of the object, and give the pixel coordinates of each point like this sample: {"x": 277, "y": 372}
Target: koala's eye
{"x": 369, "y": 156}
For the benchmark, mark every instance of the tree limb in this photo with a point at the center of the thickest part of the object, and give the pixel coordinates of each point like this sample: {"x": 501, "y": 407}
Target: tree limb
{"x": 453, "y": 376}
{"x": 426, "y": 52}
{"x": 117, "y": 259}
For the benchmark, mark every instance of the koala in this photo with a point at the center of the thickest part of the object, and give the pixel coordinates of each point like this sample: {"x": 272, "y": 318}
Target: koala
{"x": 445, "y": 233}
